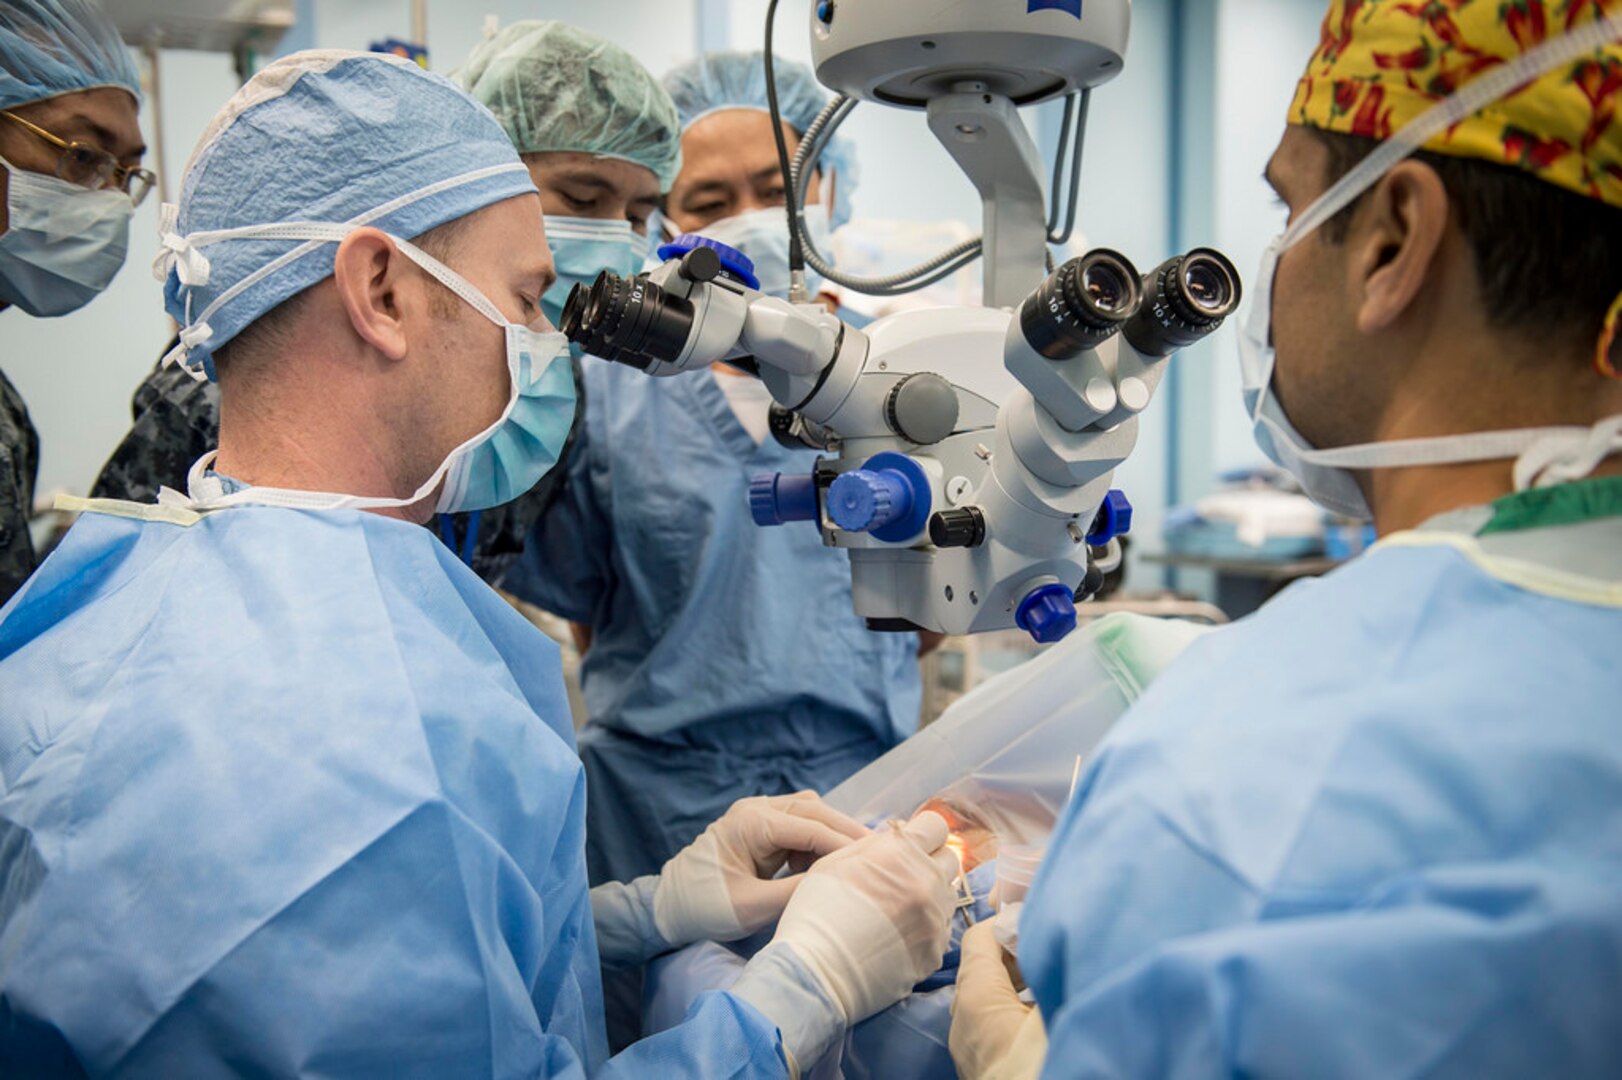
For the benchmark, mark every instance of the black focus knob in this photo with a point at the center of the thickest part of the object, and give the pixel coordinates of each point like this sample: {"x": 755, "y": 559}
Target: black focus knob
{"x": 964, "y": 527}
{"x": 1091, "y": 582}
{"x": 700, "y": 265}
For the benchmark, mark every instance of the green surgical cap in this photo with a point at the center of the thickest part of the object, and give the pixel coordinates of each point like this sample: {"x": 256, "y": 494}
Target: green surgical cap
{"x": 556, "y": 87}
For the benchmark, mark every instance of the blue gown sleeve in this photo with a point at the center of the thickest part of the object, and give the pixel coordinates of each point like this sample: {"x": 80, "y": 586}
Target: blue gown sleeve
{"x": 1471, "y": 978}
{"x": 1153, "y": 957}
{"x": 566, "y": 567}
{"x": 721, "y": 1038}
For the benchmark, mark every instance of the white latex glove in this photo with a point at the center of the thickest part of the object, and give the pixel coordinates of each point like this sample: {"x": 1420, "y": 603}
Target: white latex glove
{"x": 721, "y": 886}
{"x": 995, "y": 1035}
{"x": 866, "y": 924}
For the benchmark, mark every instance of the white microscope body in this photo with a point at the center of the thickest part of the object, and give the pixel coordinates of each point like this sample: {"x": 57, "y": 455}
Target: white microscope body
{"x": 971, "y": 494}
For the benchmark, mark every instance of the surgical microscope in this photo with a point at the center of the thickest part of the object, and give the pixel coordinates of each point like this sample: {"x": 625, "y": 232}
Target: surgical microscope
{"x": 969, "y": 451}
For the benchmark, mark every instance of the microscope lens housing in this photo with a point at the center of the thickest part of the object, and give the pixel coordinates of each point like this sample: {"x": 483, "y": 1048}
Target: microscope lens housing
{"x": 1185, "y": 298}
{"x": 1080, "y": 305}
{"x": 630, "y": 320}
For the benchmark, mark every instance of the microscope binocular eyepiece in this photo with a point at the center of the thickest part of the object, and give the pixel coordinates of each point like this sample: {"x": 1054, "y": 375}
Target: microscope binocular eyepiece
{"x": 1081, "y": 304}
{"x": 630, "y": 320}
{"x": 1186, "y": 298}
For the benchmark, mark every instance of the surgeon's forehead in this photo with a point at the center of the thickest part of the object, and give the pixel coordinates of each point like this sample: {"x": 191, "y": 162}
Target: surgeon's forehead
{"x": 731, "y": 143}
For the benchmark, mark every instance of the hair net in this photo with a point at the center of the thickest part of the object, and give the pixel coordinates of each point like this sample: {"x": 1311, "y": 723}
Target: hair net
{"x": 50, "y": 47}
{"x": 557, "y": 87}
{"x": 737, "y": 80}
{"x": 321, "y": 136}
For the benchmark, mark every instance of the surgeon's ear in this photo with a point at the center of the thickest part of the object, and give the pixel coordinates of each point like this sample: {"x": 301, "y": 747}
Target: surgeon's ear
{"x": 368, "y": 271}
{"x": 1395, "y": 243}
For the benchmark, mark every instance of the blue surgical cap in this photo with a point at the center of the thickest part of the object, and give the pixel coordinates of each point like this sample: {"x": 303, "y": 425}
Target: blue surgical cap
{"x": 737, "y": 80}
{"x": 51, "y": 47}
{"x": 556, "y": 87}
{"x": 322, "y": 136}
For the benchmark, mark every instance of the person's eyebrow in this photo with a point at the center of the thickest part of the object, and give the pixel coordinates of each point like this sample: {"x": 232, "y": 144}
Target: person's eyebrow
{"x": 106, "y": 140}
{"x": 707, "y": 187}
{"x": 768, "y": 173}
{"x": 587, "y": 179}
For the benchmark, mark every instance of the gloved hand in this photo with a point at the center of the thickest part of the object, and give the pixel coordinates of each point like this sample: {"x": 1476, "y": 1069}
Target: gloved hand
{"x": 721, "y": 887}
{"x": 995, "y": 1035}
{"x": 865, "y": 925}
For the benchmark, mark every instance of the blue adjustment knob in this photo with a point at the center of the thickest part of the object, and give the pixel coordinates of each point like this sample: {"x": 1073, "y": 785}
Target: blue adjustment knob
{"x": 1114, "y": 518}
{"x": 733, "y": 261}
{"x": 865, "y": 499}
{"x": 775, "y": 498}
{"x": 1047, "y": 613}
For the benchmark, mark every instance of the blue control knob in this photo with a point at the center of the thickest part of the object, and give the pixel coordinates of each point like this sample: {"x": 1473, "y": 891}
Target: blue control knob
{"x": 866, "y": 499}
{"x": 1047, "y": 613}
{"x": 733, "y": 261}
{"x": 776, "y": 498}
{"x": 1114, "y": 518}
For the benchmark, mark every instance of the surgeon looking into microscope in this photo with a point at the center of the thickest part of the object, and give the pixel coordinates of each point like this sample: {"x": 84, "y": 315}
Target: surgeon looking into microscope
{"x": 601, "y": 141}
{"x": 288, "y": 790}
{"x": 1372, "y": 830}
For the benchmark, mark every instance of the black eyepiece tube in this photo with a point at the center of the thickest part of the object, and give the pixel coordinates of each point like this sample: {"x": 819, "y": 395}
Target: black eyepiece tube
{"x": 630, "y": 320}
{"x": 1185, "y": 298}
{"x": 1080, "y": 304}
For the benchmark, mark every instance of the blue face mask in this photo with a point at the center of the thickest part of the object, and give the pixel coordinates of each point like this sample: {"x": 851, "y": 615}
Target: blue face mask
{"x": 63, "y": 245}
{"x": 582, "y": 248}
{"x": 763, "y": 236}
{"x": 493, "y": 467}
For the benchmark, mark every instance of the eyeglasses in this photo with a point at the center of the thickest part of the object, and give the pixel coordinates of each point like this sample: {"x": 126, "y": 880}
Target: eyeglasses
{"x": 92, "y": 167}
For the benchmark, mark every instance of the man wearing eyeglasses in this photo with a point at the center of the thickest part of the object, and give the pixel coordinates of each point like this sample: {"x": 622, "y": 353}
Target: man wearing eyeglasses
{"x": 70, "y": 177}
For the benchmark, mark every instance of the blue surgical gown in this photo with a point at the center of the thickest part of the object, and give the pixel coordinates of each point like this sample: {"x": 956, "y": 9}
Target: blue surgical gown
{"x": 293, "y": 793}
{"x": 726, "y": 659}
{"x": 1374, "y": 830}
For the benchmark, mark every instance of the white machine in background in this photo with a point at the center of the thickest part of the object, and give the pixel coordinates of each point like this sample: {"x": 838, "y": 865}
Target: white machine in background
{"x": 970, "y": 449}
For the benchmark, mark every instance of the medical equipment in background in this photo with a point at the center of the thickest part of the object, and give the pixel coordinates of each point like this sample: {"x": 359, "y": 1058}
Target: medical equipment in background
{"x": 970, "y": 495}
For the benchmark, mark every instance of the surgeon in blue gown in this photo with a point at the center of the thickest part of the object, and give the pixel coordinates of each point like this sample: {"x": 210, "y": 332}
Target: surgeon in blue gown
{"x": 721, "y": 659}
{"x": 285, "y": 789}
{"x": 1374, "y": 829}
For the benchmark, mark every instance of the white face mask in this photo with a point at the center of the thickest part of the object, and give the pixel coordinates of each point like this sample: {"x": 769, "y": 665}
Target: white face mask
{"x": 762, "y": 235}
{"x": 495, "y": 466}
{"x": 1546, "y": 455}
{"x": 64, "y": 243}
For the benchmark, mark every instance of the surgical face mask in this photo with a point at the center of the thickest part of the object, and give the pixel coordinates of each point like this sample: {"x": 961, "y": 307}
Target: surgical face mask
{"x": 1545, "y": 455}
{"x": 495, "y": 466}
{"x": 584, "y": 247}
{"x": 64, "y": 242}
{"x": 763, "y": 236}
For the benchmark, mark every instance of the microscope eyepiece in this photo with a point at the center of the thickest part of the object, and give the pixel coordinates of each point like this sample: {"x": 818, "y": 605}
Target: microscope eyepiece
{"x": 1080, "y": 304}
{"x": 1185, "y": 298}
{"x": 631, "y": 320}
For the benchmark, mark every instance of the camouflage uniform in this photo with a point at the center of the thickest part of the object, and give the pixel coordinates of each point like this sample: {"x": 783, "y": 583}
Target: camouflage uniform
{"x": 19, "y": 469}
{"x": 177, "y": 421}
